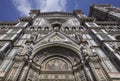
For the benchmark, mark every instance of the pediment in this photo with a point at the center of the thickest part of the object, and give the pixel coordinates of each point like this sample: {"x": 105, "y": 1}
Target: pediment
{"x": 57, "y": 37}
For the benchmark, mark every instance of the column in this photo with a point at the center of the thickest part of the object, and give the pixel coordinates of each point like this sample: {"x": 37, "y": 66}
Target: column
{"x": 25, "y": 72}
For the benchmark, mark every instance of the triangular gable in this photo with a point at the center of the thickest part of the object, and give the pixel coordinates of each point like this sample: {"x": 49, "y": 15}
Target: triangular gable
{"x": 56, "y": 37}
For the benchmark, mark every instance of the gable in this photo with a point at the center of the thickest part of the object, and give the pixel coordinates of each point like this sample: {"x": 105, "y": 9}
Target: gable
{"x": 57, "y": 37}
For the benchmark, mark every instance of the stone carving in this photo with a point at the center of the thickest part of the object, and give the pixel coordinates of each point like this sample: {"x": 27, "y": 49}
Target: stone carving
{"x": 78, "y": 37}
{"x": 28, "y": 50}
{"x": 100, "y": 74}
{"x": 56, "y": 38}
{"x": 83, "y": 50}
{"x": 33, "y": 37}
{"x": 14, "y": 72}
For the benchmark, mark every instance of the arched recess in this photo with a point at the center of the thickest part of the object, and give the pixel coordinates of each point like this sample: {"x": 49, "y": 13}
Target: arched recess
{"x": 40, "y": 46}
{"x": 56, "y": 62}
{"x": 68, "y": 59}
{"x": 56, "y": 51}
{"x": 56, "y": 25}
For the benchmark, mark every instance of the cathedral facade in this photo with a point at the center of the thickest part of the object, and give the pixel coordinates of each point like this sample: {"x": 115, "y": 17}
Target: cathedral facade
{"x": 62, "y": 46}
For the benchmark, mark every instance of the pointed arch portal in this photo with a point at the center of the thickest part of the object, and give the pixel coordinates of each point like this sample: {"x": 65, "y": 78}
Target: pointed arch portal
{"x": 56, "y": 63}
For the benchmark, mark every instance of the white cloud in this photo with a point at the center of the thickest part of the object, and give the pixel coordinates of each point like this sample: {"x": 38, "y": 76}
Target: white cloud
{"x": 51, "y": 5}
{"x": 24, "y": 6}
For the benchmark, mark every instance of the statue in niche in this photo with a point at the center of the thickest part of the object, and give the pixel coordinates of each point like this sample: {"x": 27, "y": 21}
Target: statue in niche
{"x": 29, "y": 49}
{"x": 79, "y": 37}
{"x": 36, "y": 35}
{"x": 33, "y": 36}
{"x": 83, "y": 49}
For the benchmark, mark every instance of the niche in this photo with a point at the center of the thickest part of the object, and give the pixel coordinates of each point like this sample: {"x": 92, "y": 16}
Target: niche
{"x": 56, "y": 26}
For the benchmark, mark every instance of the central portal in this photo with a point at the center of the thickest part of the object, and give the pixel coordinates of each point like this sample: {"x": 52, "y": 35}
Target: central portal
{"x": 56, "y": 64}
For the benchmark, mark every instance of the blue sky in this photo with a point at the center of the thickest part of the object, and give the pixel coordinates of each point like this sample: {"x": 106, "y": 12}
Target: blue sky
{"x": 11, "y": 10}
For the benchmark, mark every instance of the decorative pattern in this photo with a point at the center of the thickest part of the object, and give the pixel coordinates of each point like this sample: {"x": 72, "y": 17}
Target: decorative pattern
{"x": 56, "y": 38}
